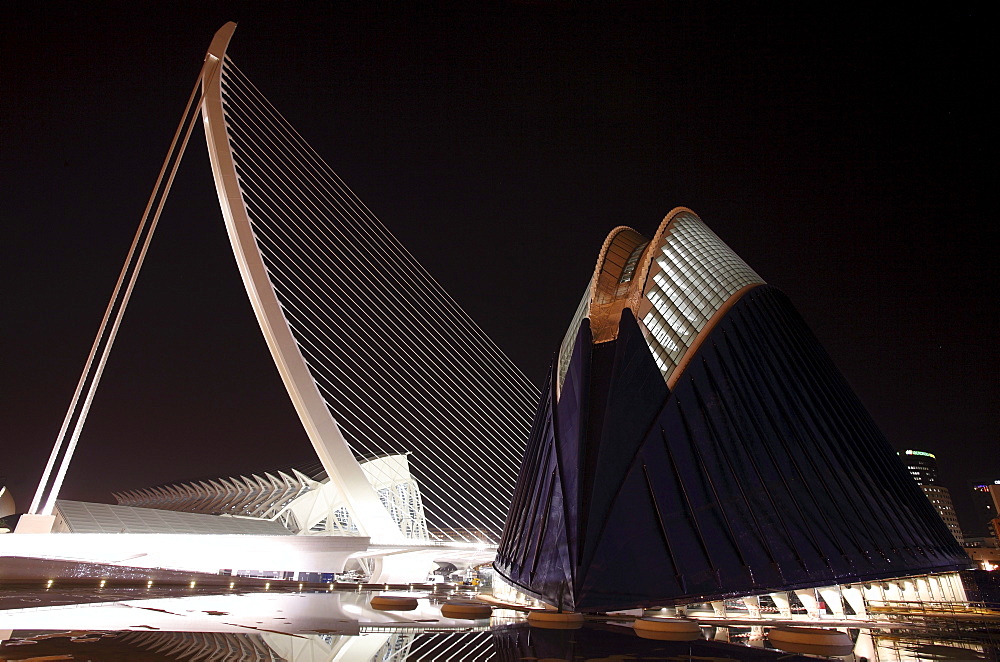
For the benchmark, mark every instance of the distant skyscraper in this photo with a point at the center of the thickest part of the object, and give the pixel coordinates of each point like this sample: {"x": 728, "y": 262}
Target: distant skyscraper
{"x": 987, "y": 499}
{"x": 923, "y": 467}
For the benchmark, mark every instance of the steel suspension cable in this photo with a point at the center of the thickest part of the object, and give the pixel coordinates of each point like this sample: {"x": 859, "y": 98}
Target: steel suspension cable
{"x": 240, "y": 144}
{"x": 298, "y": 208}
{"x": 319, "y": 166}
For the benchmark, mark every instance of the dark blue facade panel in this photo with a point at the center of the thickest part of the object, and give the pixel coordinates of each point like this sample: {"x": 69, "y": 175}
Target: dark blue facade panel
{"x": 761, "y": 471}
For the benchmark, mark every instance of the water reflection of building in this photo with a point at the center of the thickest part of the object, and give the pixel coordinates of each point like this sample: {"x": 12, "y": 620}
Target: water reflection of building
{"x": 923, "y": 467}
{"x": 335, "y": 626}
{"x": 695, "y": 442}
{"x": 388, "y": 645}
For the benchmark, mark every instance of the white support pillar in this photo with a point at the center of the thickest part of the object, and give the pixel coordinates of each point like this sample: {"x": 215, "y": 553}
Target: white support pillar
{"x": 721, "y": 634}
{"x": 834, "y": 603}
{"x": 782, "y": 603}
{"x": 337, "y": 458}
{"x": 864, "y": 647}
{"x": 875, "y": 594}
{"x": 719, "y": 608}
{"x": 934, "y": 587}
{"x": 752, "y": 603}
{"x": 29, "y": 523}
{"x": 854, "y": 597}
{"x": 807, "y": 597}
{"x": 756, "y": 639}
{"x": 956, "y": 590}
{"x": 923, "y": 589}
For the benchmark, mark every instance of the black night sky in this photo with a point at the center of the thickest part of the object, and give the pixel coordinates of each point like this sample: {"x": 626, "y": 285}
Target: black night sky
{"x": 843, "y": 155}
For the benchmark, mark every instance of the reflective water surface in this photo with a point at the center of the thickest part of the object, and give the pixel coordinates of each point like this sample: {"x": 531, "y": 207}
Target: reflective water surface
{"x": 340, "y": 625}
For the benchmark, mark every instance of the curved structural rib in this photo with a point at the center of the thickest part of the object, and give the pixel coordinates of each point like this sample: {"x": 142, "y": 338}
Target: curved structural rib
{"x": 321, "y": 428}
{"x": 678, "y": 285}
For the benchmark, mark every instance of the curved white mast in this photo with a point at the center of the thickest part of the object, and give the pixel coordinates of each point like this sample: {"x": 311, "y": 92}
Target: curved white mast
{"x": 331, "y": 447}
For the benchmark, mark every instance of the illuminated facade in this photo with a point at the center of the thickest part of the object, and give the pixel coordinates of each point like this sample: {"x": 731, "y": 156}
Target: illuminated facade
{"x": 695, "y": 442}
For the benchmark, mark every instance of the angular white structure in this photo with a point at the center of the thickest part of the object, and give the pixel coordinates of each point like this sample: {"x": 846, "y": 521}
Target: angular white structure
{"x": 305, "y": 501}
{"x": 362, "y": 336}
{"x": 323, "y": 432}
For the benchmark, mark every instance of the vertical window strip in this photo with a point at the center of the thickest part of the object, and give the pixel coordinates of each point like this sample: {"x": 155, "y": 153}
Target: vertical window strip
{"x": 697, "y": 274}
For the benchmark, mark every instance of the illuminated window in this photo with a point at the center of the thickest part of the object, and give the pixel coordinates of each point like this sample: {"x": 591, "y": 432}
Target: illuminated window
{"x": 695, "y": 274}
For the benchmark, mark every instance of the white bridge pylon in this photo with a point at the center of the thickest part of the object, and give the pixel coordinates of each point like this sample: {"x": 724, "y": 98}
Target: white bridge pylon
{"x": 378, "y": 360}
{"x": 330, "y": 445}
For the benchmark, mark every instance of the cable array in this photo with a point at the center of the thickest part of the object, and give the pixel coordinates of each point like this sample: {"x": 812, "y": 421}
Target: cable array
{"x": 402, "y": 368}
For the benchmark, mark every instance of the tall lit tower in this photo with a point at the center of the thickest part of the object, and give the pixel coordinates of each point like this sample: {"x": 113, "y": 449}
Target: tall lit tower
{"x": 923, "y": 467}
{"x": 987, "y": 499}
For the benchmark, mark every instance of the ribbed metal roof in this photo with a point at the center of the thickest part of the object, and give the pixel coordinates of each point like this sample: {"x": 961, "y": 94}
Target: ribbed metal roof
{"x": 82, "y": 517}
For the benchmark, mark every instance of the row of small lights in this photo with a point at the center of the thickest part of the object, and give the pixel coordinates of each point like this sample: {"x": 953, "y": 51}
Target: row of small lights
{"x": 267, "y": 585}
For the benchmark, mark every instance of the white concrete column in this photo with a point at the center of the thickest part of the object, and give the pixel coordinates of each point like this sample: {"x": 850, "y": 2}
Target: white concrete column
{"x": 782, "y": 603}
{"x": 864, "y": 647}
{"x": 910, "y": 590}
{"x": 719, "y": 608}
{"x": 956, "y": 591}
{"x": 756, "y": 639}
{"x": 831, "y": 596}
{"x": 854, "y": 597}
{"x": 892, "y": 592}
{"x": 923, "y": 589}
{"x": 874, "y": 595}
{"x": 807, "y": 597}
{"x": 752, "y": 603}
{"x": 721, "y": 634}
{"x": 934, "y": 588}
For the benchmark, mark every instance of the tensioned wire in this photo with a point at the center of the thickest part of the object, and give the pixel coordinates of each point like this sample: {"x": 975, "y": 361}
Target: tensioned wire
{"x": 404, "y": 299}
{"x": 325, "y": 178}
{"x": 264, "y": 202}
{"x": 313, "y": 274}
{"x": 466, "y": 646}
{"x": 312, "y": 343}
{"x": 328, "y": 178}
{"x": 366, "y": 349}
{"x": 313, "y": 216}
{"x": 239, "y": 150}
{"x": 333, "y": 265}
{"x": 383, "y": 419}
{"x": 277, "y": 239}
{"x": 509, "y": 373}
{"x": 390, "y": 259}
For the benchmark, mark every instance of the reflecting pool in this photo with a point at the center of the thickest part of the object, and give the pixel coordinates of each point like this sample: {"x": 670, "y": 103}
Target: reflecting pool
{"x": 341, "y": 626}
